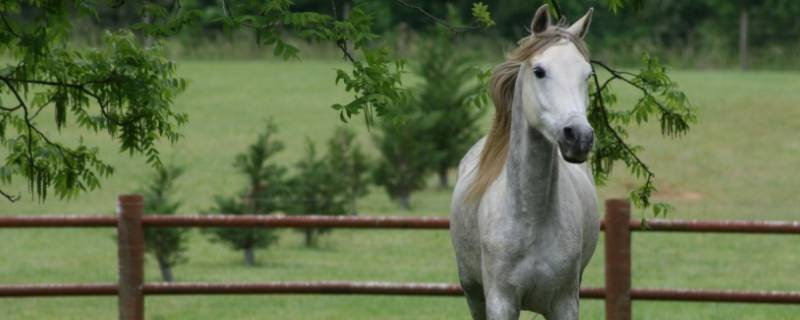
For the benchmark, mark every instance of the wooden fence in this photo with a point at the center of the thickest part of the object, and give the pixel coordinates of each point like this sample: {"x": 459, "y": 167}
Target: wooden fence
{"x": 131, "y": 288}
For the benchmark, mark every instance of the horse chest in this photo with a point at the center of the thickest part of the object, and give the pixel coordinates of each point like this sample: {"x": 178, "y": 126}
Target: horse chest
{"x": 533, "y": 238}
{"x": 542, "y": 258}
{"x": 546, "y": 252}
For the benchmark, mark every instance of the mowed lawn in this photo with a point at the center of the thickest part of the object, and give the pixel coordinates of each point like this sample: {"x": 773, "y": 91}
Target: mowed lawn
{"x": 739, "y": 162}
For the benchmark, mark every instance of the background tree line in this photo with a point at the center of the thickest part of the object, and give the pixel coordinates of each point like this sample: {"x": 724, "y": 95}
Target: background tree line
{"x": 701, "y": 33}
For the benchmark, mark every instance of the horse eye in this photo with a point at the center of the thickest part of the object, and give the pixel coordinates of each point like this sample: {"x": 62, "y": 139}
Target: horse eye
{"x": 539, "y": 72}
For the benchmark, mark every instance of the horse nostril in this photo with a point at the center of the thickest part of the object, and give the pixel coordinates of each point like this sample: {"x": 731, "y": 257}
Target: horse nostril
{"x": 569, "y": 134}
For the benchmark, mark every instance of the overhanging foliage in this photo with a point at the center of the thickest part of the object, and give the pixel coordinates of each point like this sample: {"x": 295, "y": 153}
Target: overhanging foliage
{"x": 126, "y": 89}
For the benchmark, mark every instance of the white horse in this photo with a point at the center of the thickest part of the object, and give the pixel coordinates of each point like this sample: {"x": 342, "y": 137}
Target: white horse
{"x": 524, "y": 213}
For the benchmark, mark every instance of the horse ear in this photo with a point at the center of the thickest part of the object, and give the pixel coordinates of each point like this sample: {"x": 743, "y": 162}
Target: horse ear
{"x": 581, "y": 27}
{"x": 541, "y": 20}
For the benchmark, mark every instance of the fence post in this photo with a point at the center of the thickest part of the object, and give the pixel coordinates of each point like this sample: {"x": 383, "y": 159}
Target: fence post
{"x": 618, "y": 259}
{"x": 130, "y": 255}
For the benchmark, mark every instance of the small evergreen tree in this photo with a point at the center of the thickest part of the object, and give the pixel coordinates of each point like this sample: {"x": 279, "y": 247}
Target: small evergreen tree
{"x": 407, "y": 154}
{"x": 245, "y": 239}
{"x": 316, "y": 189}
{"x": 452, "y": 100}
{"x": 264, "y": 194}
{"x": 168, "y": 245}
{"x": 350, "y": 164}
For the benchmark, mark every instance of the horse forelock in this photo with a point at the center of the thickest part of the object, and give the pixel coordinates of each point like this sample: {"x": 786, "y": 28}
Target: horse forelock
{"x": 501, "y": 89}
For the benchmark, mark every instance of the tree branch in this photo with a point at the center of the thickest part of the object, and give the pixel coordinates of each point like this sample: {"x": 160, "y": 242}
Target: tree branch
{"x": 341, "y": 43}
{"x": 439, "y": 21}
{"x": 32, "y": 129}
{"x": 598, "y": 96}
{"x": 9, "y": 197}
{"x": 11, "y": 109}
{"x": 5, "y": 22}
{"x": 38, "y": 111}
{"x": 616, "y": 74}
{"x": 29, "y": 138}
{"x": 118, "y": 4}
{"x": 79, "y": 86}
{"x": 556, "y": 9}
{"x": 59, "y": 84}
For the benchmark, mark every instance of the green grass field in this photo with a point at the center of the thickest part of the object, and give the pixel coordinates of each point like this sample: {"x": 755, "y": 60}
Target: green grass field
{"x": 739, "y": 162}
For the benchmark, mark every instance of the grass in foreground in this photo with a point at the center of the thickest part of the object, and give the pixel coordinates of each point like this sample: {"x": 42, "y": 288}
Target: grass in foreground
{"x": 738, "y": 163}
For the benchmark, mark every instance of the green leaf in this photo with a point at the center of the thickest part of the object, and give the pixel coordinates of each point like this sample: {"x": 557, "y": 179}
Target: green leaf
{"x": 480, "y": 12}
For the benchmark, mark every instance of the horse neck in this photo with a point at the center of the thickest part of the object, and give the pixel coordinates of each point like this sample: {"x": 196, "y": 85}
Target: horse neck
{"x": 532, "y": 163}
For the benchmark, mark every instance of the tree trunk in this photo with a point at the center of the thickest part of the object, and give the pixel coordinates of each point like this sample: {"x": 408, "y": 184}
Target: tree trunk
{"x": 252, "y": 206}
{"x": 249, "y": 257}
{"x": 309, "y": 236}
{"x": 166, "y": 270}
{"x": 346, "y": 7}
{"x": 404, "y": 200}
{"x": 353, "y": 206}
{"x": 443, "y": 176}
{"x": 743, "y": 30}
{"x": 344, "y": 15}
{"x": 148, "y": 41}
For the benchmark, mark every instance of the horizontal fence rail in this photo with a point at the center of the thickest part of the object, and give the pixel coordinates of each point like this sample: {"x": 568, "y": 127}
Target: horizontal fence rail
{"x": 58, "y": 290}
{"x": 281, "y": 287}
{"x": 719, "y": 226}
{"x": 131, "y": 287}
{"x": 323, "y": 287}
{"x": 301, "y": 287}
{"x": 374, "y": 288}
{"x": 58, "y": 221}
{"x": 371, "y": 222}
{"x": 692, "y": 295}
{"x": 220, "y": 220}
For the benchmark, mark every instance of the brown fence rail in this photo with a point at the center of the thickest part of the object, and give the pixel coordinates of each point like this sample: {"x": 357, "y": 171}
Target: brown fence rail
{"x": 371, "y": 222}
{"x": 245, "y": 221}
{"x": 372, "y": 288}
{"x": 131, "y": 288}
{"x": 283, "y": 287}
{"x": 719, "y": 226}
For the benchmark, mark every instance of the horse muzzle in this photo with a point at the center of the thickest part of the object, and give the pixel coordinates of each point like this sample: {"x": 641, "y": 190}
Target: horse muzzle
{"x": 575, "y": 141}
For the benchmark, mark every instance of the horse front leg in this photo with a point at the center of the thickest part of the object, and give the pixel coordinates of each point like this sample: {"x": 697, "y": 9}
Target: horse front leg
{"x": 565, "y": 309}
{"x": 502, "y": 303}
{"x": 475, "y": 299}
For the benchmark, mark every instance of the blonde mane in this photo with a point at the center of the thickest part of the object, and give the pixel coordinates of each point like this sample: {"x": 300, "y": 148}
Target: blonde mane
{"x": 501, "y": 89}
